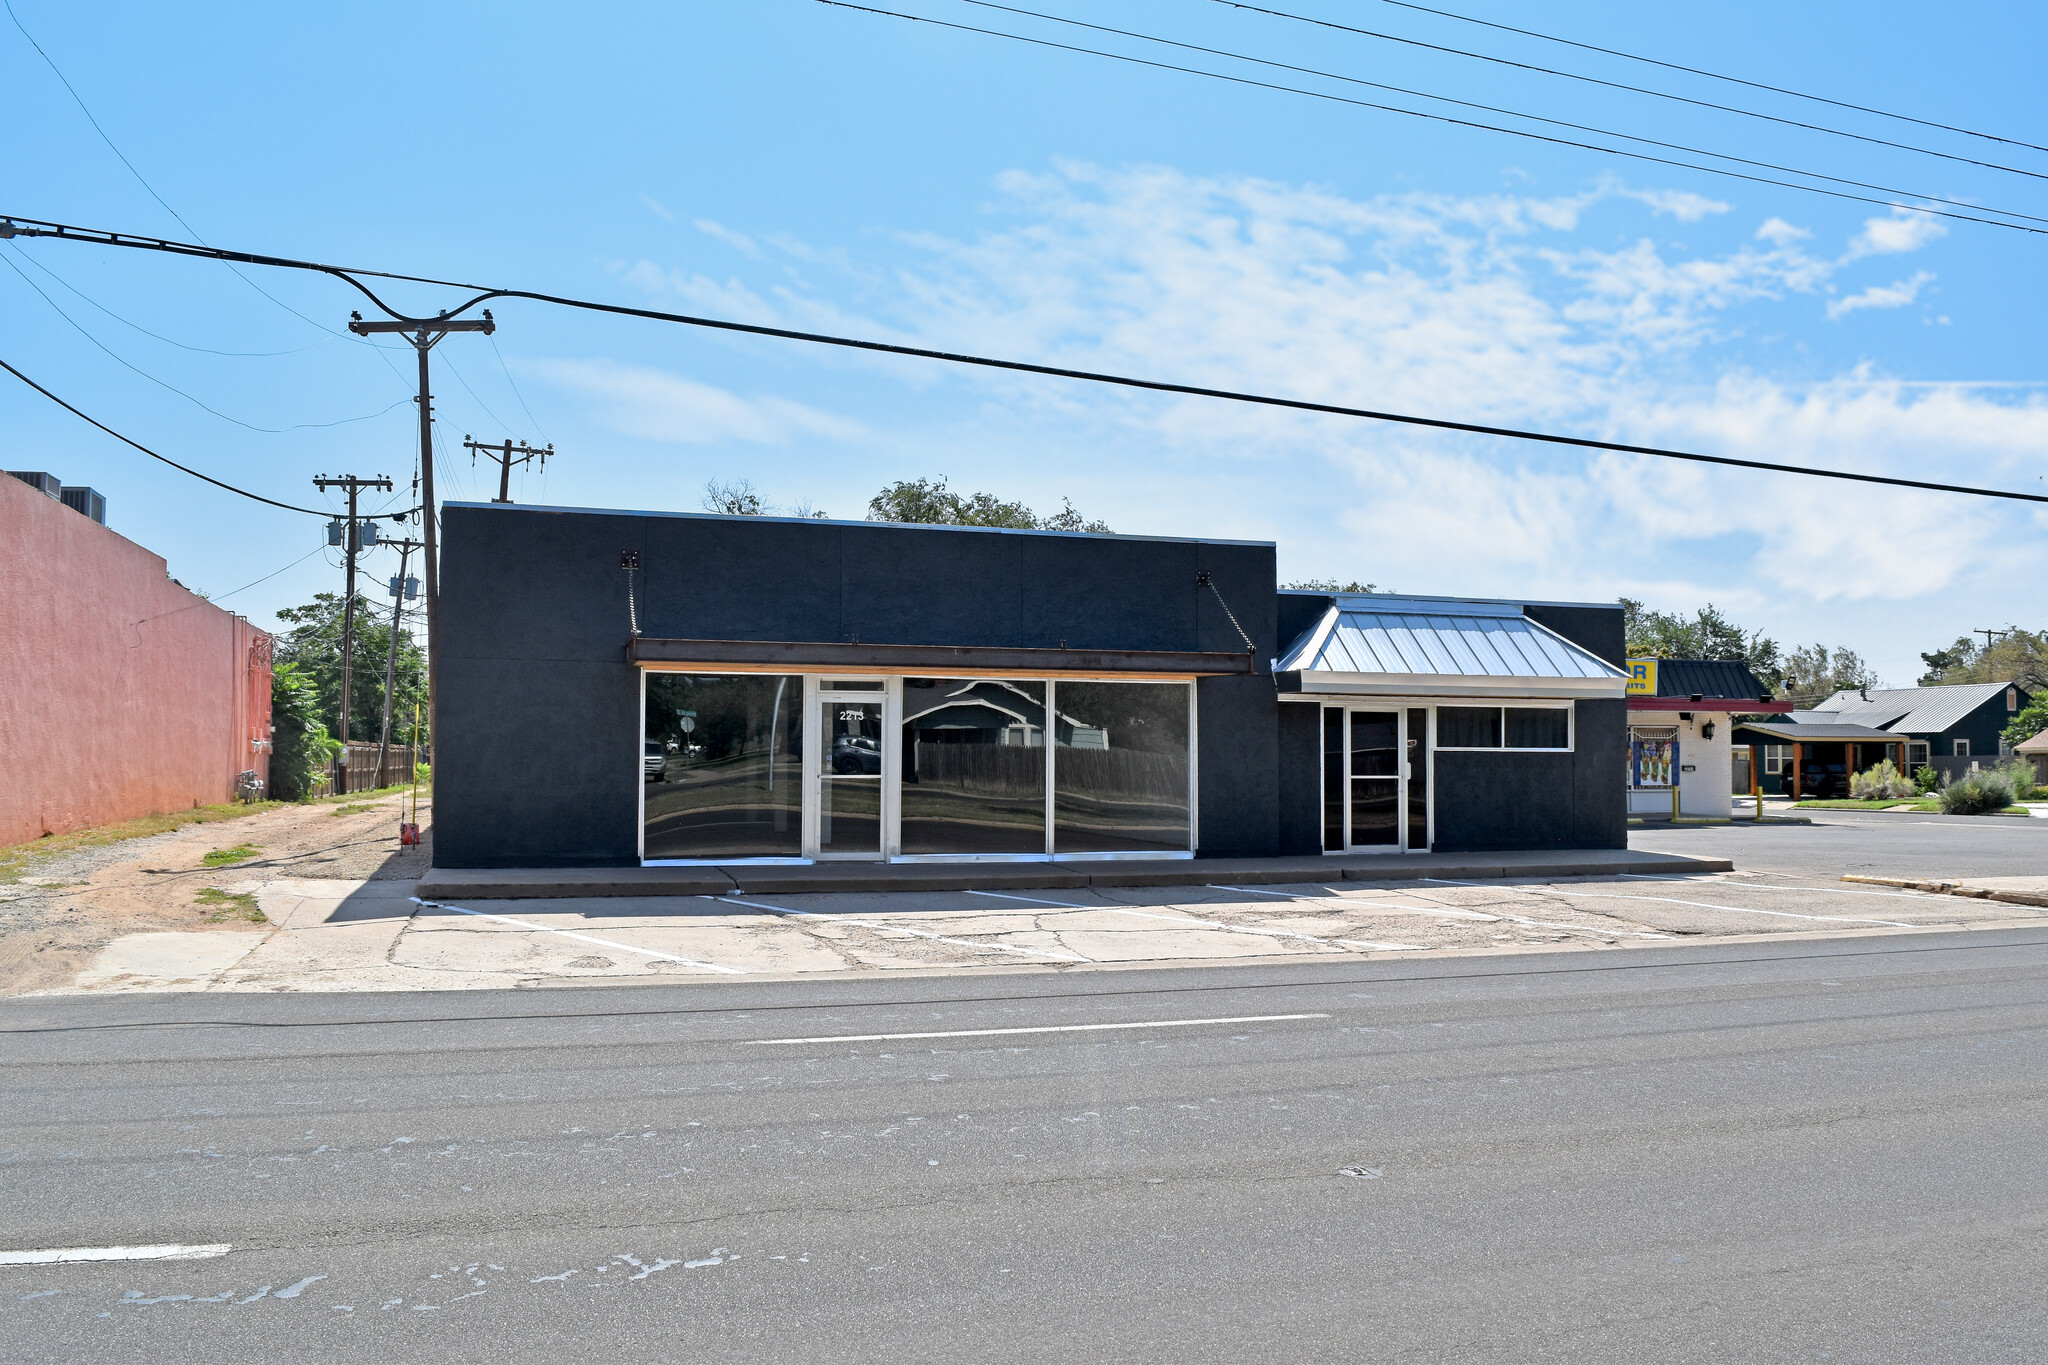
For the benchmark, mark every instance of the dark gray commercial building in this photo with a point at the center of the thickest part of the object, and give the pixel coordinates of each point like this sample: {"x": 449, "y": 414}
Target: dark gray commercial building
{"x": 626, "y": 687}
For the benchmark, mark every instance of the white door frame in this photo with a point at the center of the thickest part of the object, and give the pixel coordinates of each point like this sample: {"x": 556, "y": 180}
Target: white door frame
{"x": 817, "y": 692}
{"x": 1380, "y": 706}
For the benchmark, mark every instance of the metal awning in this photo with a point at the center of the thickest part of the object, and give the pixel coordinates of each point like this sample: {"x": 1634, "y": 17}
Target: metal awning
{"x": 1377, "y": 645}
{"x": 970, "y": 661}
{"x": 1821, "y": 732}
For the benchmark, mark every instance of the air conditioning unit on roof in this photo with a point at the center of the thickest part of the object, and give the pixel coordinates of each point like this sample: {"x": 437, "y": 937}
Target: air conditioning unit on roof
{"x": 41, "y": 482}
{"x": 85, "y": 501}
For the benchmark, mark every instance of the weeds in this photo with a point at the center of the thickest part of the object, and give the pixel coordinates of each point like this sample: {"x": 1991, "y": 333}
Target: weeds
{"x": 354, "y": 808}
{"x": 223, "y": 857}
{"x": 230, "y": 905}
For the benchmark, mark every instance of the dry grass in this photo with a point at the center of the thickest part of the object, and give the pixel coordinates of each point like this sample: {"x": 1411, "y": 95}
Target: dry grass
{"x": 22, "y": 859}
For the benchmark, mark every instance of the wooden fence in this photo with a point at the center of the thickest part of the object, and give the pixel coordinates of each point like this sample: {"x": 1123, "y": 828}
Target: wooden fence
{"x": 1095, "y": 772}
{"x": 359, "y": 773}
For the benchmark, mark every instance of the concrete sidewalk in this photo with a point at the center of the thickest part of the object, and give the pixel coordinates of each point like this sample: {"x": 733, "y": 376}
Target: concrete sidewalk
{"x": 791, "y": 879}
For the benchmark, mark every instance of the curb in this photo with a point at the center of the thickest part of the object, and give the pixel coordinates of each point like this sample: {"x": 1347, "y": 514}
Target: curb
{"x": 1980, "y": 893}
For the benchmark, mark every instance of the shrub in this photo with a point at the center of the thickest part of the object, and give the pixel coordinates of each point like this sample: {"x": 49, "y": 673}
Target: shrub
{"x": 300, "y": 749}
{"x": 1881, "y": 783}
{"x": 2020, "y": 774}
{"x": 1976, "y": 794}
{"x": 1926, "y": 778}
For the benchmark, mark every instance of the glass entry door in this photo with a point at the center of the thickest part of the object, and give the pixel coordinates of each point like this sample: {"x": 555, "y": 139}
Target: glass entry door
{"x": 1375, "y": 780}
{"x": 850, "y": 776}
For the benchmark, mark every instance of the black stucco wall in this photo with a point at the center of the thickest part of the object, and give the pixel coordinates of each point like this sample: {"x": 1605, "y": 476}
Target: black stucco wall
{"x": 1598, "y": 630}
{"x": 537, "y": 762}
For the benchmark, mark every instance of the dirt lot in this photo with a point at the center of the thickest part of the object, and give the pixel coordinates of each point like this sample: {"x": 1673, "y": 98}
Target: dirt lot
{"x": 65, "y": 909}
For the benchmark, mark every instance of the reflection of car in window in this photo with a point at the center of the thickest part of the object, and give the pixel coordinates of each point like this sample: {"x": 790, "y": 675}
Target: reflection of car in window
{"x": 856, "y": 754}
{"x": 654, "y": 767}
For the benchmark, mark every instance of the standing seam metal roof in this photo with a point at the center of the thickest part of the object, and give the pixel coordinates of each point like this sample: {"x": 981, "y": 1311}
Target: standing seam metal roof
{"x": 1460, "y": 641}
{"x": 1918, "y": 710}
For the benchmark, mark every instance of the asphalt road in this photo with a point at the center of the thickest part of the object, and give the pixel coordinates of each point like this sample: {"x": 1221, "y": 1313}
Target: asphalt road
{"x": 1868, "y": 842}
{"x": 1791, "y": 1150}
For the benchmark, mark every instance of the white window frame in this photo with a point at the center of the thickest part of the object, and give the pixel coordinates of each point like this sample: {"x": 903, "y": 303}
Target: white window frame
{"x": 1962, "y": 748}
{"x": 1571, "y": 726}
{"x": 1919, "y": 753}
{"x": 817, "y": 687}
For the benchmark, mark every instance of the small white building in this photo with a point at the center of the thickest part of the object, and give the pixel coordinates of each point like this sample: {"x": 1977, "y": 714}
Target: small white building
{"x": 1682, "y": 759}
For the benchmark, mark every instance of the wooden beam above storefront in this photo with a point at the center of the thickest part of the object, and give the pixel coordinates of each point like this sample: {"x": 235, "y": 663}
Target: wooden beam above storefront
{"x": 787, "y": 656}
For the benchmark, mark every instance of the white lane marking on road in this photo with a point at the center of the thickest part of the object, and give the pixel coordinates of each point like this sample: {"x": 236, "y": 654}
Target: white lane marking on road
{"x": 899, "y": 929}
{"x": 168, "y": 1252}
{"x": 1442, "y": 912}
{"x": 1218, "y": 924}
{"x": 1732, "y": 909}
{"x": 1789, "y": 890}
{"x": 1549, "y": 924}
{"x": 585, "y": 938}
{"x": 1046, "y": 1028}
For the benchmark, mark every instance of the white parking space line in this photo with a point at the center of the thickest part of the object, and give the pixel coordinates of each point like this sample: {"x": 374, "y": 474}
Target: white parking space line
{"x": 899, "y": 929}
{"x": 1549, "y": 924}
{"x": 1048, "y": 1028}
{"x": 67, "y": 1255}
{"x": 1440, "y": 912}
{"x": 585, "y": 938}
{"x": 1732, "y": 909}
{"x": 1227, "y": 928}
{"x": 1789, "y": 890}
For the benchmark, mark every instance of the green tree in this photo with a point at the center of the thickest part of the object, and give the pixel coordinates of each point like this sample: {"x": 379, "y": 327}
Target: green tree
{"x": 2031, "y": 720}
{"x": 313, "y": 644}
{"x": 929, "y": 502}
{"x": 1706, "y": 634}
{"x": 1813, "y": 673}
{"x": 300, "y": 748}
{"x": 2019, "y": 656}
{"x": 1329, "y": 585}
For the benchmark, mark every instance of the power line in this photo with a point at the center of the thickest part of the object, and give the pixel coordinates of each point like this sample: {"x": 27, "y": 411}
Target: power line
{"x": 118, "y": 358}
{"x": 155, "y": 336}
{"x": 1619, "y": 85}
{"x": 1486, "y": 108}
{"x": 1438, "y": 118}
{"x": 1717, "y": 76}
{"x": 183, "y": 469}
{"x": 102, "y": 237}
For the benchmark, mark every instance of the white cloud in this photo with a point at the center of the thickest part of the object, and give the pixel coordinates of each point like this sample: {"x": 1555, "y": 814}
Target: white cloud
{"x": 654, "y": 405}
{"x": 1778, "y": 232}
{"x": 1501, "y": 309}
{"x": 1903, "y": 231}
{"x": 1895, "y": 295}
{"x": 1683, "y": 205}
{"x": 660, "y": 209}
{"x": 738, "y": 241}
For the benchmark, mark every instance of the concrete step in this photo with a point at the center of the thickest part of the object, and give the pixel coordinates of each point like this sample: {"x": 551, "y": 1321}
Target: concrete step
{"x": 456, "y": 883}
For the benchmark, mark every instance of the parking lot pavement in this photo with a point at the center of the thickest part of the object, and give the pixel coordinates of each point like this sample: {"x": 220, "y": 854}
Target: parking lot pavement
{"x": 329, "y": 936}
{"x": 1880, "y": 843}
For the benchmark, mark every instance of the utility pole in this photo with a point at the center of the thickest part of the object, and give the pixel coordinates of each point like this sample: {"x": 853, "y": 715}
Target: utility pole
{"x": 352, "y": 539}
{"x": 1990, "y": 636}
{"x": 503, "y": 455}
{"x": 402, "y": 588}
{"x": 425, "y": 334}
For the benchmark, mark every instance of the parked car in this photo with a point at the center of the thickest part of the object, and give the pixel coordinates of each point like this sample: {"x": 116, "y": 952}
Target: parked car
{"x": 655, "y": 766}
{"x": 856, "y": 754}
{"x": 1823, "y": 781}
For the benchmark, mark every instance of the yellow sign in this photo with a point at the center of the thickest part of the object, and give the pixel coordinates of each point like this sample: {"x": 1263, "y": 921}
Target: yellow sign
{"x": 1642, "y": 677}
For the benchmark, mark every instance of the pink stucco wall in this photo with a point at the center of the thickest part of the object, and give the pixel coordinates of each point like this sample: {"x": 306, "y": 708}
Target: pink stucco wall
{"x": 121, "y": 693}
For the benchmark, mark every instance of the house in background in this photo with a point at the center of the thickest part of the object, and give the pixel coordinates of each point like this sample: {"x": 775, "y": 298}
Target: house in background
{"x": 1682, "y": 741}
{"x": 2035, "y": 751}
{"x": 1811, "y": 754}
{"x": 1953, "y": 728}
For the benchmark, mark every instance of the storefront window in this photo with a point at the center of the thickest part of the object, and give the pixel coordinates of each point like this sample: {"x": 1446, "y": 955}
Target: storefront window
{"x": 973, "y": 766}
{"x": 1121, "y": 767}
{"x": 723, "y": 769}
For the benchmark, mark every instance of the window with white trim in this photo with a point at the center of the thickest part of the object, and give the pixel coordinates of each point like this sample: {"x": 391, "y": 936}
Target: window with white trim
{"x": 1962, "y": 748}
{"x": 1918, "y": 751}
{"x": 1537, "y": 727}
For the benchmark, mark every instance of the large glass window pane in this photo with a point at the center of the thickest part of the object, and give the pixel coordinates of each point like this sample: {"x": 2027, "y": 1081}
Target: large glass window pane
{"x": 1121, "y": 768}
{"x": 723, "y": 768}
{"x": 973, "y": 766}
{"x": 1375, "y": 784}
{"x": 1468, "y": 727}
{"x": 1333, "y": 778}
{"x": 1539, "y": 727}
{"x": 850, "y": 780}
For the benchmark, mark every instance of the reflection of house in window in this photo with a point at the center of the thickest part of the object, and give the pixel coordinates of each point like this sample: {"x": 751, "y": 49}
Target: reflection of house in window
{"x": 988, "y": 711}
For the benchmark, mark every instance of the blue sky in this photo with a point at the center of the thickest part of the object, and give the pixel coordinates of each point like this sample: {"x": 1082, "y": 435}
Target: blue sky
{"x": 783, "y": 161}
